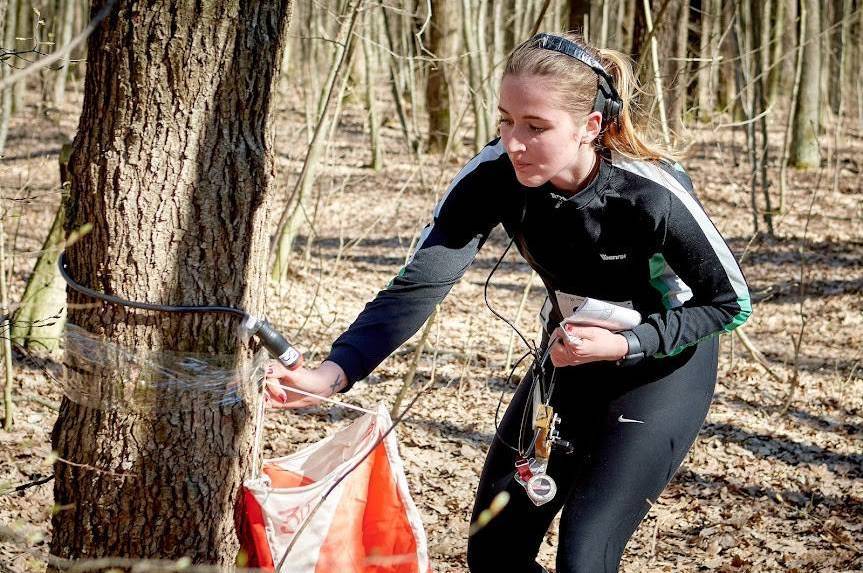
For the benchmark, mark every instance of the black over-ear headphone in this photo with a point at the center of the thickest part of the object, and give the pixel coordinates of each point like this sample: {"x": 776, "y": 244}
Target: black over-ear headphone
{"x": 608, "y": 101}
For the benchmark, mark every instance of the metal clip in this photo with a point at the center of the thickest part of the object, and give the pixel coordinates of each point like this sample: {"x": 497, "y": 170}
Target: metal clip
{"x": 555, "y": 440}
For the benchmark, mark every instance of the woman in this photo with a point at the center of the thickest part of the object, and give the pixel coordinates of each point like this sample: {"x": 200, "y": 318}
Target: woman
{"x": 598, "y": 212}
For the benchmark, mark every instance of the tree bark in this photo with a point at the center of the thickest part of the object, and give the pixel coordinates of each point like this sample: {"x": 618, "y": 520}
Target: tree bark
{"x": 804, "y": 135}
{"x": 172, "y": 165}
{"x": 441, "y": 32}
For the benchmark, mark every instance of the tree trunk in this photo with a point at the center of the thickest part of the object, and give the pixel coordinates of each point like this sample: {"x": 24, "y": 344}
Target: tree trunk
{"x": 370, "y": 62}
{"x": 39, "y": 321}
{"x": 640, "y": 51}
{"x": 67, "y": 10}
{"x": 804, "y": 135}
{"x": 603, "y": 28}
{"x": 761, "y": 29}
{"x": 706, "y": 53}
{"x": 628, "y": 28}
{"x": 396, "y": 81}
{"x": 579, "y": 14}
{"x": 657, "y": 73}
{"x": 727, "y": 88}
{"x": 24, "y": 31}
{"x": 441, "y": 29}
{"x": 8, "y": 368}
{"x": 777, "y": 51}
{"x": 679, "y": 77}
{"x": 472, "y": 32}
{"x": 834, "y": 40}
{"x": 857, "y": 78}
{"x": 3, "y": 6}
{"x": 172, "y": 165}
{"x": 7, "y": 96}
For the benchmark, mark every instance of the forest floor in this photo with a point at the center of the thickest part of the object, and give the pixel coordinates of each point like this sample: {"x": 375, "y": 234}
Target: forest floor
{"x": 760, "y": 490}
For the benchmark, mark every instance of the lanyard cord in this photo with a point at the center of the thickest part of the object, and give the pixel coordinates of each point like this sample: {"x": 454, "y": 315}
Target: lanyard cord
{"x": 539, "y": 362}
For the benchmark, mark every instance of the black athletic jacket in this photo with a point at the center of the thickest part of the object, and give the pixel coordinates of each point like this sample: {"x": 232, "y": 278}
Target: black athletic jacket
{"x": 636, "y": 233}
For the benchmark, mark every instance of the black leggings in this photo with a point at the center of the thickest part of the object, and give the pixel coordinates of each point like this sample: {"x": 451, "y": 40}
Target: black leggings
{"x": 619, "y": 466}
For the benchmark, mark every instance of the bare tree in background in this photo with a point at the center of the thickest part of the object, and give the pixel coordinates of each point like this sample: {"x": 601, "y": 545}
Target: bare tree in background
{"x": 3, "y": 6}
{"x": 579, "y": 15}
{"x": 679, "y": 32}
{"x": 10, "y": 11}
{"x": 707, "y": 55}
{"x": 804, "y": 135}
{"x": 66, "y": 21}
{"x": 443, "y": 34}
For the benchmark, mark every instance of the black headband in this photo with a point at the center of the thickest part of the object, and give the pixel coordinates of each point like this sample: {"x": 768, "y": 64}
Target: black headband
{"x": 608, "y": 101}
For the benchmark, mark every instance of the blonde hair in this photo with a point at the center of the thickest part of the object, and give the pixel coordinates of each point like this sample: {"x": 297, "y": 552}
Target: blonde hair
{"x": 575, "y": 90}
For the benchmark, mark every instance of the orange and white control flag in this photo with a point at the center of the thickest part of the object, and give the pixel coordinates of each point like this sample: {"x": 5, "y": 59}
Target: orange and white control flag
{"x": 368, "y": 523}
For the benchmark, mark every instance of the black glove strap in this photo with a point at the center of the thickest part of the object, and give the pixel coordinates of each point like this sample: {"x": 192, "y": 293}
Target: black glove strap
{"x": 634, "y": 355}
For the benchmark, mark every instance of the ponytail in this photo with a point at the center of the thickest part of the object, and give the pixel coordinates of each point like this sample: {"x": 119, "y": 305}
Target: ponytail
{"x": 627, "y": 135}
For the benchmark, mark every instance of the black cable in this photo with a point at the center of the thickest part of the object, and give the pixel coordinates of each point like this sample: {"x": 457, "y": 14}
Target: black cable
{"x": 61, "y": 263}
{"x": 539, "y": 362}
{"x": 269, "y": 337}
{"x": 493, "y": 311}
{"x": 500, "y": 402}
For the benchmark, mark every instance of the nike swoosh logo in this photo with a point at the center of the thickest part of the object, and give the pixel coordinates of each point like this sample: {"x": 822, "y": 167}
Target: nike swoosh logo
{"x": 623, "y": 420}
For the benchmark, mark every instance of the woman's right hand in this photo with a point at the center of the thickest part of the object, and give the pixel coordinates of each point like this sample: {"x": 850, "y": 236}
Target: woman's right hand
{"x": 325, "y": 380}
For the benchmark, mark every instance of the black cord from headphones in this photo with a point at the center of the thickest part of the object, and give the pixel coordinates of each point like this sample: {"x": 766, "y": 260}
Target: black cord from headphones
{"x": 538, "y": 372}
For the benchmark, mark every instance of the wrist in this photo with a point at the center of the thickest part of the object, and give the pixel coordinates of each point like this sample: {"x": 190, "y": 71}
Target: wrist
{"x": 621, "y": 347}
{"x": 634, "y": 354}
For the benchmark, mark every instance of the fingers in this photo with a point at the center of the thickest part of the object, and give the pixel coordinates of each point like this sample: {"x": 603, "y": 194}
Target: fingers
{"x": 570, "y": 341}
{"x": 580, "y": 332}
{"x": 567, "y": 349}
{"x": 558, "y": 358}
{"x": 281, "y": 397}
{"x": 274, "y": 389}
{"x": 276, "y": 369}
{"x": 563, "y": 355}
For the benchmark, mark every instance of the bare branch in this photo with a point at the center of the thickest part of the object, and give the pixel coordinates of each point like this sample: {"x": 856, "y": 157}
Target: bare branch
{"x": 58, "y": 54}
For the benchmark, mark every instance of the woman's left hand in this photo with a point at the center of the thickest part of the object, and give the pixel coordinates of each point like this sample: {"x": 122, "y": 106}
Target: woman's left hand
{"x": 586, "y": 344}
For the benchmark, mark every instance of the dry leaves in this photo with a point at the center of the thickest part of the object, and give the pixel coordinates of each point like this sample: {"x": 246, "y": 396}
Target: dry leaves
{"x": 758, "y": 492}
